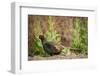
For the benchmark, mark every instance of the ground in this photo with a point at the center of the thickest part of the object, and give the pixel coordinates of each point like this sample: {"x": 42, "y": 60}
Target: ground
{"x": 57, "y": 57}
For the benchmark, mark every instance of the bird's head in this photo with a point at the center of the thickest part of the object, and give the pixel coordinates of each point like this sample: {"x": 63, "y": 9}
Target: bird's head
{"x": 41, "y": 37}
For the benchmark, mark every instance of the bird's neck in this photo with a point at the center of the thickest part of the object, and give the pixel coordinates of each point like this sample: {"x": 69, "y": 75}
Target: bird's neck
{"x": 44, "y": 41}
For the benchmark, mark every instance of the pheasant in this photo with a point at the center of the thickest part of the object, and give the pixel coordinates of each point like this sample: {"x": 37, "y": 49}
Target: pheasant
{"x": 50, "y": 47}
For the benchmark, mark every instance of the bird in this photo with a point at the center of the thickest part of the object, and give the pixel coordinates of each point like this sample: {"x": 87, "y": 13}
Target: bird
{"x": 49, "y": 47}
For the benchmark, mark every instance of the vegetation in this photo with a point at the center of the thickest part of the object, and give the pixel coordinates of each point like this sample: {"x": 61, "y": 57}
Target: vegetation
{"x": 37, "y": 47}
{"x": 79, "y": 40}
{"x": 51, "y": 34}
{"x": 65, "y": 51}
{"x": 80, "y": 35}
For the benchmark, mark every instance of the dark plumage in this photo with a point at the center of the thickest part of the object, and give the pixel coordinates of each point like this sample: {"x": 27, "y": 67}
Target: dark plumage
{"x": 49, "y": 47}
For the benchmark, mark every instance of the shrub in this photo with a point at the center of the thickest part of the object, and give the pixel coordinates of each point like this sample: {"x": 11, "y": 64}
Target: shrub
{"x": 80, "y": 35}
{"x": 37, "y": 47}
{"x": 65, "y": 51}
{"x": 51, "y": 34}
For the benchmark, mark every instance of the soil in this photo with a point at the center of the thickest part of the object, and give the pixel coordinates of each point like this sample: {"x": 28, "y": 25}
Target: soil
{"x": 57, "y": 57}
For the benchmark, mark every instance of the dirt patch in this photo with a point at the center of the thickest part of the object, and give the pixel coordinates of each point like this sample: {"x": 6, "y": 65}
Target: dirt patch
{"x": 57, "y": 57}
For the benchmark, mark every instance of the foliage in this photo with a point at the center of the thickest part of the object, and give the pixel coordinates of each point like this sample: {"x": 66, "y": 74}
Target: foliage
{"x": 79, "y": 39}
{"x": 76, "y": 39}
{"x": 65, "y": 51}
{"x": 84, "y": 35}
{"x": 51, "y": 34}
{"x": 80, "y": 36}
{"x": 37, "y": 46}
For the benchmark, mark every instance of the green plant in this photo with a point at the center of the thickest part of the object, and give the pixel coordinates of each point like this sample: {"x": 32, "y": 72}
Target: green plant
{"x": 65, "y": 51}
{"x": 37, "y": 47}
{"x": 51, "y": 34}
{"x": 80, "y": 36}
{"x": 84, "y": 35}
{"x": 76, "y": 39}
